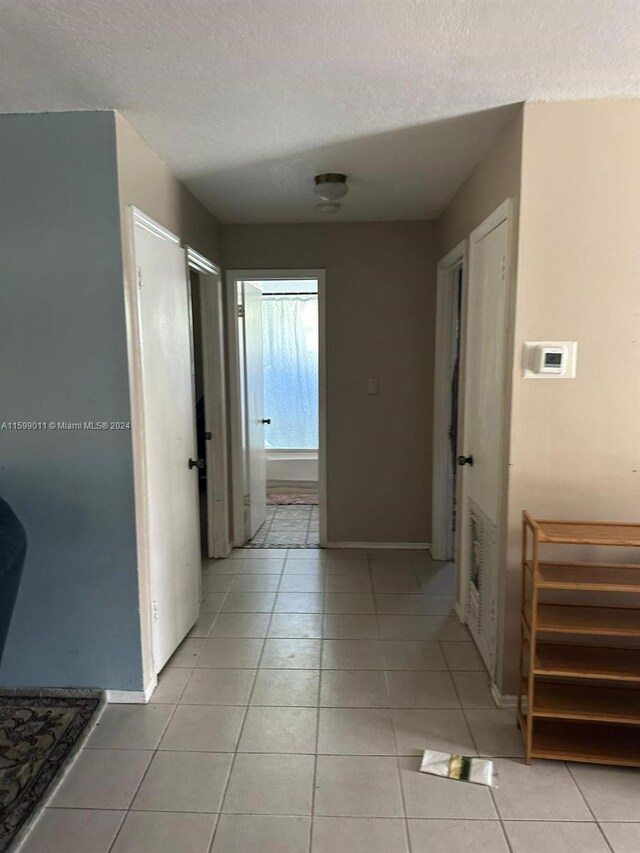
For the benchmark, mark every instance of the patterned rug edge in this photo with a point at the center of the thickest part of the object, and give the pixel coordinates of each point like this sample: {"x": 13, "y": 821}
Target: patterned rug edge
{"x": 279, "y": 545}
{"x": 294, "y": 499}
{"x": 49, "y": 787}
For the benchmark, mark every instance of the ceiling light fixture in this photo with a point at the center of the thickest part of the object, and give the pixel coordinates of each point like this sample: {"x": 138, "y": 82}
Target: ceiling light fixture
{"x": 326, "y": 207}
{"x": 331, "y": 186}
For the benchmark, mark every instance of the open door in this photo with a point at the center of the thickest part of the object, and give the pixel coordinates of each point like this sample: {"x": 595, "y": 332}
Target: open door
{"x": 446, "y": 403}
{"x": 482, "y": 460}
{"x": 256, "y": 464}
{"x": 168, "y": 399}
{"x": 215, "y": 408}
{"x": 208, "y": 321}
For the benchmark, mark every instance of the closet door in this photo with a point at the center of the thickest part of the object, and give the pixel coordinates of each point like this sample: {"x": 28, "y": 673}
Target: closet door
{"x": 482, "y": 465}
{"x": 171, "y": 483}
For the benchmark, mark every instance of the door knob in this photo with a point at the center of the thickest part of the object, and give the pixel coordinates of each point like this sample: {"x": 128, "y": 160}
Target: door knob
{"x": 266, "y": 420}
{"x": 196, "y": 463}
{"x": 465, "y": 460}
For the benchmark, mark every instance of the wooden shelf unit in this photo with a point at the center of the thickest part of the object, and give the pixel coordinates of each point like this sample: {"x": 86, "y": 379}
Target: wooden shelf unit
{"x": 579, "y": 694}
{"x": 590, "y": 577}
{"x": 603, "y": 621}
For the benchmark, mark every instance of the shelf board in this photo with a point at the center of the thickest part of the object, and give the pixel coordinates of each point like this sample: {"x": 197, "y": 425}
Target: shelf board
{"x": 597, "y": 621}
{"x": 606, "y": 664}
{"x": 599, "y": 577}
{"x": 587, "y": 533}
{"x": 591, "y": 743}
{"x": 586, "y": 702}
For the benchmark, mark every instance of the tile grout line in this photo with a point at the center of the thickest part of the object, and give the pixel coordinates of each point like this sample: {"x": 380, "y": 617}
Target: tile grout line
{"x": 315, "y": 759}
{"x": 244, "y": 720}
{"x": 403, "y": 800}
{"x": 317, "y": 710}
{"x": 586, "y": 802}
{"x": 308, "y": 534}
{"x": 338, "y": 816}
{"x": 154, "y": 752}
{"x": 475, "y": 746}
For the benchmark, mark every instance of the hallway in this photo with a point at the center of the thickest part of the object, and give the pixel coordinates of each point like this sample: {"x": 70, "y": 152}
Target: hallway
{"x": 291, "y": 720}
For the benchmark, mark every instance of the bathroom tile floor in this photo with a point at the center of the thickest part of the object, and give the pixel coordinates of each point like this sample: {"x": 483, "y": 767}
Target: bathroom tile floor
{"x": 293, "y": 719}
{"x": 297, "y": 526}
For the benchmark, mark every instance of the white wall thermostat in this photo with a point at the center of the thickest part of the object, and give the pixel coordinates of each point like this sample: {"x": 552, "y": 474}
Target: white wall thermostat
{"x": 549, "y": 359}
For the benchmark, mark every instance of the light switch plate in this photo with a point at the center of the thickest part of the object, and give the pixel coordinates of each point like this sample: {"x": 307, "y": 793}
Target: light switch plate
{"x": 373, "y": 386}
{"x": 531, "y": 353}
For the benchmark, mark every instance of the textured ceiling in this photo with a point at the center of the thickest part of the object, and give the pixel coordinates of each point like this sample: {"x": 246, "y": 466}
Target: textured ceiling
{"x": 248, "y": 99}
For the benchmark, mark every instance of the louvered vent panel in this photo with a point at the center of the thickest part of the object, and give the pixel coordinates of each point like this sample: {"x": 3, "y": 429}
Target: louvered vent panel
{"x": 482, "y": 583}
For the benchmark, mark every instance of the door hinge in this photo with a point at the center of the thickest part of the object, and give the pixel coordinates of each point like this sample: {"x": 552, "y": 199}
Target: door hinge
{"x": 240, "y": 311}
{"x": 247, "y": 500}
{"x": 208, "y": 436}
{"x": 154, "y": 611}
{"x": 503, "y": 269}
{"x": 139, "y": 276}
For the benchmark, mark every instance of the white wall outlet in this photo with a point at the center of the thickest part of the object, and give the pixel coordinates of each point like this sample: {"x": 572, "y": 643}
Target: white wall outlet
{"x": 373, "y": 386}
{"x": 549, "y": 359}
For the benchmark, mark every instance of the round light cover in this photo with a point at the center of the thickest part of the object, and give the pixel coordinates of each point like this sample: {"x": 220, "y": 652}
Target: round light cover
{"x": 331, "y": 186}
{"x": 327, "y": 207}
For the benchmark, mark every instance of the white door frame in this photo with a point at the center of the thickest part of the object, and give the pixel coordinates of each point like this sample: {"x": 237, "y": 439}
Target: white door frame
{"x": 212, "y": 336}
{"x": 501, "y": 214}
{"x": 238, "y": 472}
{"x": 443, "y": 480}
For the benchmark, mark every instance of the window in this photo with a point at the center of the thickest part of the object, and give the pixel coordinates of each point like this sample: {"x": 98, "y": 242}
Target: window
{"x": 290, "y": 330}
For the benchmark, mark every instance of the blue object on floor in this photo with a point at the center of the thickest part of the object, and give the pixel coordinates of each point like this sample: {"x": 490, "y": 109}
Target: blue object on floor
{"x": 13, "y": 550}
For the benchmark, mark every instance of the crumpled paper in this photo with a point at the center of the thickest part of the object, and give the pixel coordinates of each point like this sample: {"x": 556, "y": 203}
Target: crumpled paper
{"x": 462, "y": 768}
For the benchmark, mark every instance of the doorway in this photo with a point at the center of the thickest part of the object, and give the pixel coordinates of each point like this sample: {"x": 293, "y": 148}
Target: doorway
{"x": 276, "y": 367}
{"x": 210, "y": 404}
{"x": 447, "y": 376}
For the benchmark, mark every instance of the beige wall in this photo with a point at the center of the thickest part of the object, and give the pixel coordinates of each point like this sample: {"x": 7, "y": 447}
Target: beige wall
{"x": 146, "y": 182}
{"x": 380, "y": 315}
{"x": 575, "y": 444}
{"x": 493, "y": 180}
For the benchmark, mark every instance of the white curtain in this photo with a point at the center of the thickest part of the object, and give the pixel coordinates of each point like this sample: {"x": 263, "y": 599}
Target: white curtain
{"x": 290, "y": 328}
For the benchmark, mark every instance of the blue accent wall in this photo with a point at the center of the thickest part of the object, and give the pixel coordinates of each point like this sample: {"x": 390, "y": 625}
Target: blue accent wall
{"x": 63, "y": 357}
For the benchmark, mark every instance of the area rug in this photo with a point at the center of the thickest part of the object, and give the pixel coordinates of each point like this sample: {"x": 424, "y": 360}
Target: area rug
{"x": 278, "y": 546}
{"x": 292, "y": 500}
{"x": 38, "y": 736}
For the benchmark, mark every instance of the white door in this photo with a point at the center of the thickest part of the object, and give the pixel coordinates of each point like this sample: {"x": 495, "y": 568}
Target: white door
{"x": 213, "y": 369}
{"x": 256, "y": 458}
{"x": 170, "y": 437}
{"x": 484, "y": 389}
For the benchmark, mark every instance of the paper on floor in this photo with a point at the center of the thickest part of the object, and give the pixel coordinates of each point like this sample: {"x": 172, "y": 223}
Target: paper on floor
{"x": 463, "y": 768}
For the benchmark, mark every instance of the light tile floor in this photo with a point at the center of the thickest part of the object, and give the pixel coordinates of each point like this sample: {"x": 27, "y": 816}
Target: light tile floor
{"x": 289, "y": 525}
{"x": 293, "y": 718}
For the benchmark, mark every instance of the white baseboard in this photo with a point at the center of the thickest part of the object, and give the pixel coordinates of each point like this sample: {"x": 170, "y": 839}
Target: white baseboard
{"x": 126, "y": 697}
{"x": 132, "y": 697}
{"x": 506, "y": 702}
{"x": 389, "y": 546}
